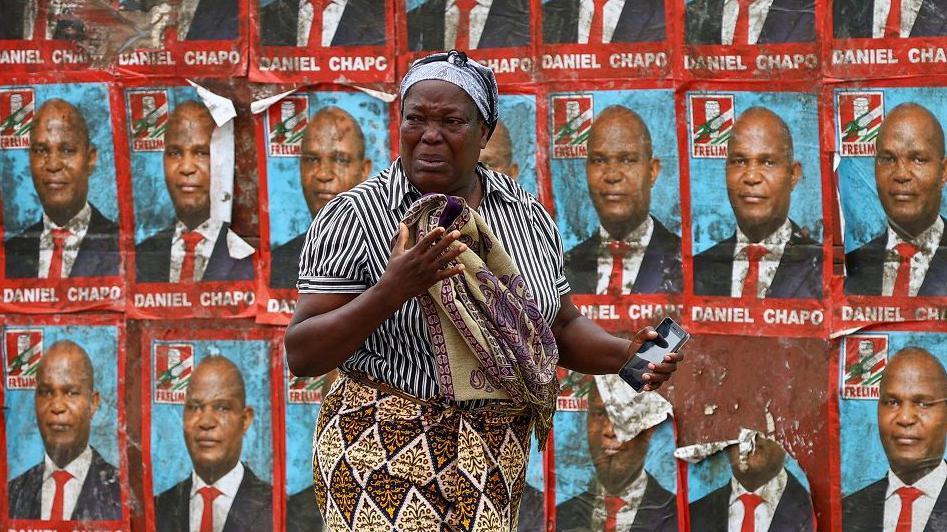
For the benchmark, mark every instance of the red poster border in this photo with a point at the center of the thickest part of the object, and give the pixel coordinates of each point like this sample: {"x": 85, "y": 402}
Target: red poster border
{"x": 157, "y": 330}
{"x": 86, "y": 320}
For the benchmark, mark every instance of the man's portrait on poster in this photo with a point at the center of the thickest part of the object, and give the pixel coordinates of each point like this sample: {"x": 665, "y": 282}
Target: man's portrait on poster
{"x": 875, "y": 19}
{"x": 616, "y": 21}
{"x": 733, "y": 22}
{"x": 338, "y": 23}
{"x": 467, "y": 24}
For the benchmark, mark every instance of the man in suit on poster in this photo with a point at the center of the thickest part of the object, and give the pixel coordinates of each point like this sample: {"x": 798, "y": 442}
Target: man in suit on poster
{"x": 761, "y": 495}
{"x": 632, "y": 252}
{"x": 910, "y": 257}
{"x": 498, "y": 155}
{"x": 72, "y": 238}
{"x": 220, "y": 487}
{"x": 764, "y": 22}
{"x": 624, "y": 496}
{"x": 344, "y": 23}
{"x": 874, "y": 19}
{"x": 332, "y": 161}
{"x": 468, "y": 24}
{"x": 912, "y": 423}
{"x": 196, "y": 247}
{"x": 769, "y": 255}
{"x": 622, "y": 21}
{"x": 73, "y": 481}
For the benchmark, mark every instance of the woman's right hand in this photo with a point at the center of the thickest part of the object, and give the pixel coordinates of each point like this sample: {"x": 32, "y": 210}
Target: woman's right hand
{"x": 411, "y": 271}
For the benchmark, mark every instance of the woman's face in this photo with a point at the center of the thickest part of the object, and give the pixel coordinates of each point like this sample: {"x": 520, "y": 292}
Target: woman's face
{"x": 441, "y": 138}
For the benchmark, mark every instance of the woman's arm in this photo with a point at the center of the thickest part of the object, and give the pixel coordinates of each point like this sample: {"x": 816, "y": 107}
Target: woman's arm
{"x": 327, "y": 328}
{"x": 587, "y": 348}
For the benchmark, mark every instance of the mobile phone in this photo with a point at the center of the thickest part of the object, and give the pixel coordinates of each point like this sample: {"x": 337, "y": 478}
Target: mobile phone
{"x": 671, "y": 337}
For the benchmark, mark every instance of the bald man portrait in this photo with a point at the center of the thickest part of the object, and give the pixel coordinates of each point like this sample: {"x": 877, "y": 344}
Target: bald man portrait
{"x": 221, "y": 493}
{"x": 343, "y": 23}
{"x": 761, "y": 494}
{"x": 72, "y": 238}
{"x": 763, "y": 22}
{"x": 623, "y": 496}
{"x": 910, "y": 257}
{"x": 332, "y": 161}
{"x": 769, "y": 255}
{"x": 498, "y": 155}
{"x": 620, "y": 21}
{"x": 631, "y": 252}
{"x": 874, "y": 19}
{"x": 467, "y": 24}
{"x": 196, "y": 247}
{"x": 912, "y": 424}
{"x": 74, "y": 481}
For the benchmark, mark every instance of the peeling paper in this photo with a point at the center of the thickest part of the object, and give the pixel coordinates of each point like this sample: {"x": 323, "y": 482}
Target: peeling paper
{"x": 259, "y": 106}
{"x": 699, "y": 451}
{"x": 222, "y": 148}
{"x": 629, "y": 411}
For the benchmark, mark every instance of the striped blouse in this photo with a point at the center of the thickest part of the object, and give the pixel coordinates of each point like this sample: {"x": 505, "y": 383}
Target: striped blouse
{"x": 349, "y": 242}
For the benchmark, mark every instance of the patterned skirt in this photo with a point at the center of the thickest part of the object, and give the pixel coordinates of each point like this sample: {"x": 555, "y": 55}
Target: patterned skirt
{"x": 384, "y": 460}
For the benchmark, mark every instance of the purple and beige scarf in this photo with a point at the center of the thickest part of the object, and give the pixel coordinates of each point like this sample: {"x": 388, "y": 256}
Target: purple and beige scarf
{"x": 490, "y": 339}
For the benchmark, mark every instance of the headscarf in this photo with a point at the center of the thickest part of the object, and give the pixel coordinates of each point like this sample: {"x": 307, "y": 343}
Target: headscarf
{"x": 455, "y": 67}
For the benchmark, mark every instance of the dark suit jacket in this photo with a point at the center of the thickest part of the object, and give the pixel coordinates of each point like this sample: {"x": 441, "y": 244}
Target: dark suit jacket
{"x": 99, "y": 500}
{"x": 11, "y": 23}
{"x": 864, "y": 269}
{"x": 153, "y": 260}
{"x": 660, "y": 270}
{"x": 640, "y": 21}
{"x": 214, "y": 20}
{"x": 864, "y": 510}
{"x": 362, "y": 23}
{"x": 302, "y": 512}
{"x": 284, "y": 263}
{"x": 787, "y": 21}
{"x": 793, "y": 513}
{"x": 656, "y": 513}
{"x": 799, "y": 274}
{"x": 252, "y": 508}
{"x": 98, "y": 252}
{"x": 507, "y": 25}
{"x": 532, "y": 514}
{"x": 852, "y": 19}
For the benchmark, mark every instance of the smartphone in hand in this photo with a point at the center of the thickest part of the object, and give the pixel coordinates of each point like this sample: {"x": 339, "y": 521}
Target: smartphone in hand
{"x": 671, "y": 337}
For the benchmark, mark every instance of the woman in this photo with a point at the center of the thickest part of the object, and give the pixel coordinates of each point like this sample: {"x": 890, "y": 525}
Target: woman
{"x": 394, "y": 447}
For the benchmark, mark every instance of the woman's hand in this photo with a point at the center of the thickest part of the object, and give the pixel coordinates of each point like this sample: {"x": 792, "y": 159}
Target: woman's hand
{"x": 658, "y": 372}
{"x": 411, "y": 271}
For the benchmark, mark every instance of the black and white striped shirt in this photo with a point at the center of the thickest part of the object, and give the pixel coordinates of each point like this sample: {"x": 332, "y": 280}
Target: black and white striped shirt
{"x": 348, "y": 246}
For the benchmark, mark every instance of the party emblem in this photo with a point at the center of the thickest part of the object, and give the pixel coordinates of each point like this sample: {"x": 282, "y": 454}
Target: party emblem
{"x": 16, "y": 118}
{"x": 711, "y": 124}
{"x": 571, "y": 124}
{"x": 148, "y": 118}
{"x": 859, "y": 116}
{"x": 866, "y": 356}
{"x": 23, "y": 349}
{"x": 173, "y": 363}
{"x": 305, "y": 390}
{"x": 286, "y": 121}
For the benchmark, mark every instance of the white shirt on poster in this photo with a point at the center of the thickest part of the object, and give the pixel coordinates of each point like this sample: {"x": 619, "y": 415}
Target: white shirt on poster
{"x": 638, "y": 240}
{"x": 79, "y": 469}
{"x": 909, "y": 10}
{"x": 770, "y": 492}
{"x": 228, "y": 486}
{"x": 775, "y": 244}
{"x": 926, "y": 243}
{"x": 930, "y": 485}
{"x": 78, "y": 226}
{"x": 731, "y": 10}
{"x": 625, "y": 517}
{"x": 331, "y": 16}
{"x": 478, "y": 20}
{"x": 613, "y": 9}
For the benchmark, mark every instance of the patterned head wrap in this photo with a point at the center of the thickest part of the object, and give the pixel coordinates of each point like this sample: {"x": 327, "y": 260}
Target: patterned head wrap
{"x": 455, "y": 67}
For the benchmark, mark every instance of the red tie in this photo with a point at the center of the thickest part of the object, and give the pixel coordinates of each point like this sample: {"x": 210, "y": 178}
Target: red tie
{"x": 61, "y": 477}
{"x": 903, "y": 281}
{"x": 741, "y": 31}
{"x": 754, "y": 253}
{"x": 191, "y": 239}
{"x": 908, "y": 494}
{"x": 59, "y": 242}
{"x": 893, "y": 24}
{"x": 462, "y": 40}
{"x": 750, "y": 502}
{"x": 612, "y": 506}
{"x": 596, "y": 30}
{"x": 619, "y": 251}
{"x": 208, "y": 493}
{"x": 315, "y": 29}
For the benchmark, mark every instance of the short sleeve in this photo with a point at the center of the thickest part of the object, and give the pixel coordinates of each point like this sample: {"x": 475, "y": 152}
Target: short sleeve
{"x": 549, "y": 235}
{"x": 333, "y": 259}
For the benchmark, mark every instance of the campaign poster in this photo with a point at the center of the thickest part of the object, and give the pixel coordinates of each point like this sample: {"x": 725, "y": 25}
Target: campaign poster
{"x": 613, "y": 165}
{"x": 752, "y": 40}
{"x": 756, "y": 226}
{"x": 496, "y": 34}
{"x": 616, "y": 39}
{"x": 64, "y": 421}
{"x": 322, "y": 41}
{"x": 208, "y": 422}
{"x": 748, "y": 482}
{"x": 614, "y": 457}
{"x": 39, "y": 37}
{"x": 189, "y": 261}
{"x": 872, "y": 40}
{"x": 62, "y": 246}
{"x": 892, "y": 423}
{"x": 890, "y": 177}
{"x": 318, "y": 145}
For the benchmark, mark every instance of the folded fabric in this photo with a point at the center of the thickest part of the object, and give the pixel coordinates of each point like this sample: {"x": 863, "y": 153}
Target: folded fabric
{"x": 489, "y": 337}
